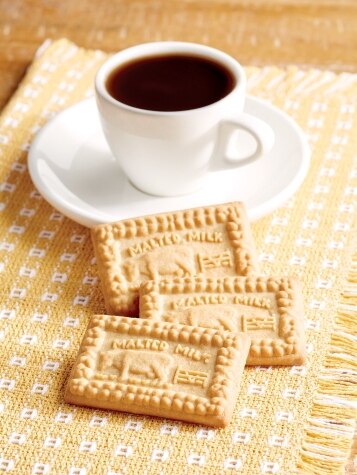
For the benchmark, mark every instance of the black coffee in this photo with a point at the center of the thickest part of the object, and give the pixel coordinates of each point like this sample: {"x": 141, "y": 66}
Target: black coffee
{"x": 172, "y": 82}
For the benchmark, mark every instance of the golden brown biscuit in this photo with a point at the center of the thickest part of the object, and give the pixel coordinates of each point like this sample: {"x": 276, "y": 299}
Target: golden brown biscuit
{"x": 269, "y": 309}
{"x": 160, "y": 369}
{"x": 215, "y": 241}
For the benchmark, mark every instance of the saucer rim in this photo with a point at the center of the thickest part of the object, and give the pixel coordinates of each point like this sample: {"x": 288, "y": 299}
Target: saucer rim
{"x": 87, "y": 219}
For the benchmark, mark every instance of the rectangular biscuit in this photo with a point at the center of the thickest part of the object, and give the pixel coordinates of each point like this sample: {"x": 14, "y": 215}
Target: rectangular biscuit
{"x": 159, "y": 369}
{"x": 215, "y": 241}
{"x": 269, "y": 309}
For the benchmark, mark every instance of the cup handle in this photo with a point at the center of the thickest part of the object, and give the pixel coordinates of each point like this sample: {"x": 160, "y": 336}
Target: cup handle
{"x": 261, "y": 132}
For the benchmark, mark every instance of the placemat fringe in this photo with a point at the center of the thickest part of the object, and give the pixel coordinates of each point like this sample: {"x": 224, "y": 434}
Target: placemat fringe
{"x": 331, "y": 427}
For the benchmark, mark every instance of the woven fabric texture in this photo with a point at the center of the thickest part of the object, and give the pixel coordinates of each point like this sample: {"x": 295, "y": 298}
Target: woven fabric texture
{"x": 286, "y": 420}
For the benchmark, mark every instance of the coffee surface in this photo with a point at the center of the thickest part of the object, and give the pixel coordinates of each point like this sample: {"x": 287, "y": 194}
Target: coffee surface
{"x": 173, "y": 82}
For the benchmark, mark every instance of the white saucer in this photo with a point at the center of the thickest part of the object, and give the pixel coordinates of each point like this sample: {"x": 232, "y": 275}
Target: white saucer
{"x": 72, "y": 167}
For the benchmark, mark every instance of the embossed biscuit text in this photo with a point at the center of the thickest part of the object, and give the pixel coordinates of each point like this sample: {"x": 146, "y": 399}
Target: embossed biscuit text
{"x": 253, "y": 301}
{"x": 140, "y": 344}
{"x": 192, "y": 353}
{"x": 204, "y": 299}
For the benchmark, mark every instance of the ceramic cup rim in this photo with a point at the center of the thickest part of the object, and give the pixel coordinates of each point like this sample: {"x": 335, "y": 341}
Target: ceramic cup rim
{"x": 163, "y": 47}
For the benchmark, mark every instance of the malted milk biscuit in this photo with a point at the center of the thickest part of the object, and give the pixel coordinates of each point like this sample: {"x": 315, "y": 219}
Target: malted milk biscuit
{"x": 269, "y": 309}
{"x": 214, "y": 241}
{"x": 160, "y": 369}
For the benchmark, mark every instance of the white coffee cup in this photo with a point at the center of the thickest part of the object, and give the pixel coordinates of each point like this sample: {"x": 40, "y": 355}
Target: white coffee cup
{"x": 171, "y": 153}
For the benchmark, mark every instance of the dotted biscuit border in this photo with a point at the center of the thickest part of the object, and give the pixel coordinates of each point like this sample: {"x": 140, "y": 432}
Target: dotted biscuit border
{"x": 288, "y": 300}
{"x": 83, "y": 382}
{"x": 106, "y": 241}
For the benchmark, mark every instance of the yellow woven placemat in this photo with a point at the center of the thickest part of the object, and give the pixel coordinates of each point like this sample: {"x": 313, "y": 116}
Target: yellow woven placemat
{"x": 286, "y": 420}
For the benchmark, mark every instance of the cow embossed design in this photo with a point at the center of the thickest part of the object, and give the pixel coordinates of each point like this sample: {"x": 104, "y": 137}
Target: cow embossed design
{"x": 160, "y": 263}
{"x": 150, "y": 365}
{"x": 218, "y": 317}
